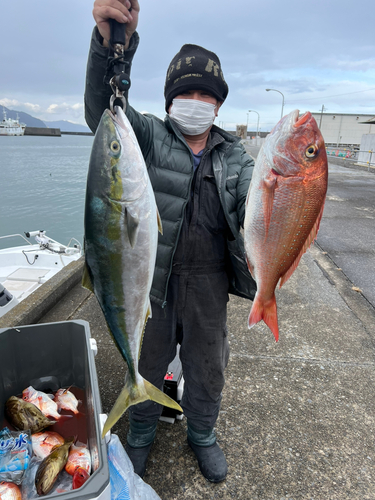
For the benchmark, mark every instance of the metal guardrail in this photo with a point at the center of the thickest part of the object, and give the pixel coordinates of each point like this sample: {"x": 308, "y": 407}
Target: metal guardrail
{"x": 365, "y": 157}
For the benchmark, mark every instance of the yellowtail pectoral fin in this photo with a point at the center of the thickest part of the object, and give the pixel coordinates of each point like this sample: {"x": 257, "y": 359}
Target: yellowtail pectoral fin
{"x": 86, "y": 280}
{"x": 132, "y": 225}
{"x": 133, "y": 395}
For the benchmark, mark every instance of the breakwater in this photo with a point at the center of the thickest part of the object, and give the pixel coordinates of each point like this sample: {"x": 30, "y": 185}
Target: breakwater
{"x": 41, "y": 131}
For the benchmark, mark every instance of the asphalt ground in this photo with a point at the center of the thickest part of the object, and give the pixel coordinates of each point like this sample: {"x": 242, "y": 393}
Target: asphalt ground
{"x": 297, "y": 416}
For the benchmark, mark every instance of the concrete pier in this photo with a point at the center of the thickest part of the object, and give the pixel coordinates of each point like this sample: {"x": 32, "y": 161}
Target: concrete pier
{"x": 298, "y": 417}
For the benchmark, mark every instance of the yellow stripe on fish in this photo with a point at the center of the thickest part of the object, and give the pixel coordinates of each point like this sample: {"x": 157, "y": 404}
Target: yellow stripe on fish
{"x": 121, "y": 234}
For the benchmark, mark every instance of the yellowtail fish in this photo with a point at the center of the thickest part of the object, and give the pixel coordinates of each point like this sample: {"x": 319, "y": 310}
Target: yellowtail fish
{"x": 121, "y": 233}
{"x": 284, "y": 208}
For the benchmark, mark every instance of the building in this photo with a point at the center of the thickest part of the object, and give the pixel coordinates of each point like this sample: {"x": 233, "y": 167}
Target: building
{"x": 344, "y": 129}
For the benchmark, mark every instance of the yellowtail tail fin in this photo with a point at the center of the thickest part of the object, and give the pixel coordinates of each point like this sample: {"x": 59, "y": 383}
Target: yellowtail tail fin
{"x": 132, "y": 395}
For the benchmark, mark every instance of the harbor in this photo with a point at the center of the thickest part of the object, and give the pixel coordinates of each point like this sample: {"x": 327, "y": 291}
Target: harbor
{"x": 187, "y": 252}
{"x": 297, "y": 416}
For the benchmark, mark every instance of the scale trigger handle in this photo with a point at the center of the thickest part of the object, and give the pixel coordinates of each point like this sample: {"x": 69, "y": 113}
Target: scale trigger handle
{"x": 117, "y": 32}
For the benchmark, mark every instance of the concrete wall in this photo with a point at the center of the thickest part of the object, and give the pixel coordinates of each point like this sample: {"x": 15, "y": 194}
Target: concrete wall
{"x": 344, "y": 129}
{"x": 367, "y": 145}
{"x": 256, "y": 141}
{"x": 52, "y": 132}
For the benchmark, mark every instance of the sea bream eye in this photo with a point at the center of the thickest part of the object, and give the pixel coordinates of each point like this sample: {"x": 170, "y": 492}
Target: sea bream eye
{"x": 311, "y": 151}
{"x": 115, "y": 146}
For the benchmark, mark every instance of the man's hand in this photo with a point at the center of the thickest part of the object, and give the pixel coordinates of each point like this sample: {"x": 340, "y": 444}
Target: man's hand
{"x": 118, "y": 10}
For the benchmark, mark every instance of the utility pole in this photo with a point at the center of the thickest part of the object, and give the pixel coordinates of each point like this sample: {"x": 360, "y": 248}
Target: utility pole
{"x": 321, "y": 116}
{"x": 282, "y": 106}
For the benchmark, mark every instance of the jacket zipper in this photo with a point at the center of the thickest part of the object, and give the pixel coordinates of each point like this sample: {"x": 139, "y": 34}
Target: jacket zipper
{"x": 183, "y": 214}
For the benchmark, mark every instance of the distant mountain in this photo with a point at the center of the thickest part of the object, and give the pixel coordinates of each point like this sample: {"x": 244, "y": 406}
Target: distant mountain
{"x": 66, "y": 126}
{"x": 30, "y": 121}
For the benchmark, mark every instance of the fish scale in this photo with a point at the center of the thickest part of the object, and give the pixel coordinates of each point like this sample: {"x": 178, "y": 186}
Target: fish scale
{"x": 283, "y": 209}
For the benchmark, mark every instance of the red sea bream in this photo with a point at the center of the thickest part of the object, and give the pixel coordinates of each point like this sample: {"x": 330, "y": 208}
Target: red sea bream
{"x": 284, "y": 208}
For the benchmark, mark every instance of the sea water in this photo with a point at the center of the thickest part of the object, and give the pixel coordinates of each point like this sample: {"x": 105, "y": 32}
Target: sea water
{"x": 42, "y": 186}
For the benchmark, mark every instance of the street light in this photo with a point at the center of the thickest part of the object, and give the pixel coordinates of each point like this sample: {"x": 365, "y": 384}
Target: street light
{"x": 251, "y": 110}
{"x": 282, "y": 107}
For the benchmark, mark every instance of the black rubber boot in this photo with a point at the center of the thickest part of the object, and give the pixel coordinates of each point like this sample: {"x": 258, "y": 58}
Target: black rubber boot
{"x": 138, "y": 457}
{"x": 139, "y": 442}
{"x": 211, "y": 459}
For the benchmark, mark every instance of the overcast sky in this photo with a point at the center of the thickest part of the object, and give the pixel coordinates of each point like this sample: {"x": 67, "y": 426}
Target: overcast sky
{"x": 315, "y": 53}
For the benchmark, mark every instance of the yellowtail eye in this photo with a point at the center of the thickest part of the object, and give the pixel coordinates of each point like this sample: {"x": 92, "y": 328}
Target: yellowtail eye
{"x": 115, "y": 146}
{"x": 311, "y": 151}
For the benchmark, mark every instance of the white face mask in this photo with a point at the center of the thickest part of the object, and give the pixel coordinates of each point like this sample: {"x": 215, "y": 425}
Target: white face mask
{"x": 191, "y": 116}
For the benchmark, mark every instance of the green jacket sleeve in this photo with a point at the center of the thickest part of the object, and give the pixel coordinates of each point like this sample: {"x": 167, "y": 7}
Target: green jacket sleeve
{"x": 98, "y": 93}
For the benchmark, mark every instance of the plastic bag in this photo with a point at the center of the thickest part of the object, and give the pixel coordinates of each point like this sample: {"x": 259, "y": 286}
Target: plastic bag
{"x": 15, "y": 454}
{"x": 125, "y": 484}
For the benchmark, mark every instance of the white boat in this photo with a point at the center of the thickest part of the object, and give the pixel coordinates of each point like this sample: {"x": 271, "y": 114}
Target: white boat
{"x": 11, "y": 127}
{"x": 25, "y": 268}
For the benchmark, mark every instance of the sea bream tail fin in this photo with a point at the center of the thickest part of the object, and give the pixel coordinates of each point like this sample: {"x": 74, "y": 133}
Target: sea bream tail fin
{"x": 266, "y": 311}
{"x": 134, "y": 394}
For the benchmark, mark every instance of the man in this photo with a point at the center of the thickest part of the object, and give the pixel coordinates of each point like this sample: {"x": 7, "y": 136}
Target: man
{"x": 200, "y": 175}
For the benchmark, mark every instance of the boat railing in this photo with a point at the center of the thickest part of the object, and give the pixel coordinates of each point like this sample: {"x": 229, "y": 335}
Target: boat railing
{"x": 49, "y": 243}
{"x": 14, "y": 235}
{"x": 76, "y": 246}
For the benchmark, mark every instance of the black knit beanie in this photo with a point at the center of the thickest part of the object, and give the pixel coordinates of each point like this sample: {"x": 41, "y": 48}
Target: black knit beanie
{"x": 194, "y": 68}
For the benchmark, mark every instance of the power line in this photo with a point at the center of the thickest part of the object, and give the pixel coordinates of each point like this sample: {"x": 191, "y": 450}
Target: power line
{"x": 325, "y": 97}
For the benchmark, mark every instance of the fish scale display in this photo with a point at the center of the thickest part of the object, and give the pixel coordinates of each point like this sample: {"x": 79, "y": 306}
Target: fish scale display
{"x": 284, "y": 208}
